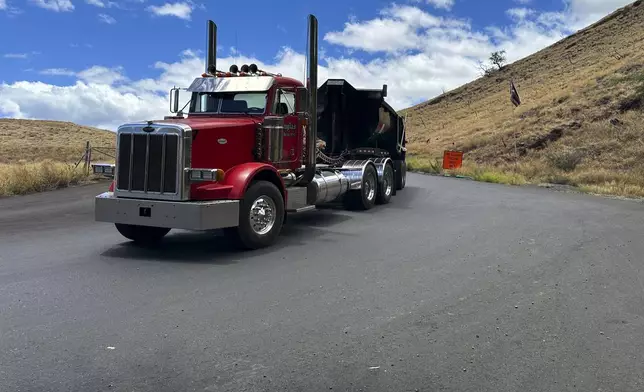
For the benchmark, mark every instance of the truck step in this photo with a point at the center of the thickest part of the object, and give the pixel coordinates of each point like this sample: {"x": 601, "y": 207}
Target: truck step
{"x": 302, "y": 209}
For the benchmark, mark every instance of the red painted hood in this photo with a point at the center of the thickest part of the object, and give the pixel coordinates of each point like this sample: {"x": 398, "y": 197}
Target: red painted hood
{"x": 221, "y": 142}
{"x": 216, "y": 123}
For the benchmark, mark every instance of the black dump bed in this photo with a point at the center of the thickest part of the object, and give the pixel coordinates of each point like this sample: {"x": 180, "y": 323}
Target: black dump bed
{"x": 349, "y": 118}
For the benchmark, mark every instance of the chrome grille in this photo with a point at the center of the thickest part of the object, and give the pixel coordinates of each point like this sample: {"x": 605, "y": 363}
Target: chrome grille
{"x": 150, "y": 165}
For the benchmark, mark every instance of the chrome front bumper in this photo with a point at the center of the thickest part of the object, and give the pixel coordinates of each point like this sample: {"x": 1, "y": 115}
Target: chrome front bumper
{"x": 205, "y": 215}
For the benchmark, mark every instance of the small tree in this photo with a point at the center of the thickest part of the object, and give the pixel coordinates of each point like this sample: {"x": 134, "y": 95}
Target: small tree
{"x": 484, "y": 69}
{"x": 498, "y": 58}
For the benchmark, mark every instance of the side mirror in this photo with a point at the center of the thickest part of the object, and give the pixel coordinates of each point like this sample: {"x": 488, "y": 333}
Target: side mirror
{"x": 384, "y": 90}
{"x": 174, "y": 100}
{"x": 301, "y": 100}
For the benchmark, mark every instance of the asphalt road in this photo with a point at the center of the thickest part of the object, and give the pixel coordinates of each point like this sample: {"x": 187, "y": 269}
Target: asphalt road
{"x": 455, "y": 286}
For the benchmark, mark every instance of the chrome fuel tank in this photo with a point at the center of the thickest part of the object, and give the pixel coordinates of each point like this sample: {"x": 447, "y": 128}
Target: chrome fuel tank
{"x": 330, "y": 185}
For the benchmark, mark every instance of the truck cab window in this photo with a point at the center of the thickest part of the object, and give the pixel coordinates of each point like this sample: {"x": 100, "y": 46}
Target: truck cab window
{"x": 253, "y": 103}
{"x": 243, "y": 103}
{"x": 285, "y": 103}
{"x": 205, "y": 103}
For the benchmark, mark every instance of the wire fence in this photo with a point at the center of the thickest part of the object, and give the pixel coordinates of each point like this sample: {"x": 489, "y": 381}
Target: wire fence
{"x": 90, "y": 152}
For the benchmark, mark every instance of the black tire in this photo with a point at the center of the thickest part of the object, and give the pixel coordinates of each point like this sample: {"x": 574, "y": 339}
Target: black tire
{"x": 364, "y": 198}
{"x": 142, "y": 234}
{"x": 265, "y": 196}
{"x": 387, "y": 188}
{"x": 401, "y": 174}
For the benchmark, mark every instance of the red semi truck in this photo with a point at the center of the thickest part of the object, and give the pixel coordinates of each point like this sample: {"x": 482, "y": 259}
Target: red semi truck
{"x": 253, "y": 147}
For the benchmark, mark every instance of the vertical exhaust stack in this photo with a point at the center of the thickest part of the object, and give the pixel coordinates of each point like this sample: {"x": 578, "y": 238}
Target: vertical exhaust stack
{"x": 312, "y": 90}
{"x": 211, "y": 50}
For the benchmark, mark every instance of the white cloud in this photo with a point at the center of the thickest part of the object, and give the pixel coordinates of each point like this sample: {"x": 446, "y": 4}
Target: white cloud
{"x": 102, "y": 75}
{"x": 180, "y": 10}
{"x": 106, "y": 19}
{"x": 392, "y": 36}
{"x": 523, "y": 2}
{"x": 405, "y": 29}
{"x": 415, "y": 53}
{"x": 554, "y": 20}
{"x": 57, "y": 72}
{"x": 22, "y": 56}
{"x": 16, "y": 55}
{"x": 55, "y": 5}
{"x": 107, "y": 105}
{"x": 105, "y": 4}
{"x": 397, "y": 29}
{"x": 444, "y": 4}
{"x": 520, "y": 13}
{"x": 9, "y": 10}
{"x": 586, "y": 7}
{"x": 585, "y": 12}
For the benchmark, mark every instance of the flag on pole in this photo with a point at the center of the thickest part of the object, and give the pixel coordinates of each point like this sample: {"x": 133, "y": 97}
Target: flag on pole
{"x": 514, "y": 95}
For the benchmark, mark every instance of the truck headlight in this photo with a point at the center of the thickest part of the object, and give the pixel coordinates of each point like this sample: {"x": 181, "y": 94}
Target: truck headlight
{"x": 198, "y": 175}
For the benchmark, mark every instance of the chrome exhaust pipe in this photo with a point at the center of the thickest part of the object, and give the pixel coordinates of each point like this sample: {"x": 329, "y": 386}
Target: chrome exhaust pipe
{"x": 312, "y": 90}
{"x": 211, "y": 50}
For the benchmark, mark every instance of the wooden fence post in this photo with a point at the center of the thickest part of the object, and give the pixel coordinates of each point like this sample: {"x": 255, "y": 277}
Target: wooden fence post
{"x": 87, "y": 157}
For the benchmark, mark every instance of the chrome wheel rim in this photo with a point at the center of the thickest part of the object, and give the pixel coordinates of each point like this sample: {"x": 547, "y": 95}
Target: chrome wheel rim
{"x": 387, "y": 182}
{"x": 369, "y": 187}
{"x": 262, "y": 215}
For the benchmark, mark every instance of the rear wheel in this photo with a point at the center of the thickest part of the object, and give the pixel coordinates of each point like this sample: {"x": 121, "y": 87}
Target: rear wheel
{"x": 387, "y": 188}
{"x": 142, "y": 234}
{"x": 364, "y": 198}
{"x": 261, "y": 216}
{"x": 401, "y": 174}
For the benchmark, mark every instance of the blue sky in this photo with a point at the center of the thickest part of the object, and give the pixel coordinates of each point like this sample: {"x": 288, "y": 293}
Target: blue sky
{"x": 137, "y": 37}
{"x": 105, "y": 48}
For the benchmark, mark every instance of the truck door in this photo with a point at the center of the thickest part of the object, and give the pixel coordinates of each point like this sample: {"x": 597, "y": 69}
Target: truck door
{"x": 292, "y": 137}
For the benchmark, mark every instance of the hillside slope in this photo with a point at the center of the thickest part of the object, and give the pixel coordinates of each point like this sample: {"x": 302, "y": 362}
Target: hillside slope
{"x": 580, "y": 122}
{"x": 41, "y": 155}
{"x": 36, "y": 140}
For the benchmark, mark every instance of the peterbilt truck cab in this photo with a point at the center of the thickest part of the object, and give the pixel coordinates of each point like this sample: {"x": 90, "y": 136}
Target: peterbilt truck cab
{"x": 249, "y": 151}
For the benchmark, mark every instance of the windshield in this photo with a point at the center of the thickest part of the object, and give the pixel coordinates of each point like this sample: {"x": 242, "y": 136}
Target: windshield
{"x": 253, "y": 103}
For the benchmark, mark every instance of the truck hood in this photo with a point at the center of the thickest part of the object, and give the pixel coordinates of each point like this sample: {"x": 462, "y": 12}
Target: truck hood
{"x": 216, "y": 123}
{"x": 222, "y": 142}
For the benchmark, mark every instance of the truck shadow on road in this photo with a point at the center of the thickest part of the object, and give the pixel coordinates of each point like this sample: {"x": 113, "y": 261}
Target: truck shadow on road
{"x": 408, "y": 196}
{"x": 403, "y": 200}
{"x": 213, "y": 248}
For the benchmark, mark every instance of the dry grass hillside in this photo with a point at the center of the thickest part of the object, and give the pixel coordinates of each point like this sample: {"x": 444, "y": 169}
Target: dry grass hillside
{"x": 40, "y": 155}
{"x": 580, "y": 122}
{"x": 36, "y": 140}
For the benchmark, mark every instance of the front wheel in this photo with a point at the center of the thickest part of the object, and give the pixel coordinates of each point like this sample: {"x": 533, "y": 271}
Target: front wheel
{"x": 261, "y": 216}
{"x": 142, "y": 234}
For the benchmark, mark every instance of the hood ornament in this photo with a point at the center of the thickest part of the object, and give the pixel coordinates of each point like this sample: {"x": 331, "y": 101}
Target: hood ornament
{"x": 149, "y": 127}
